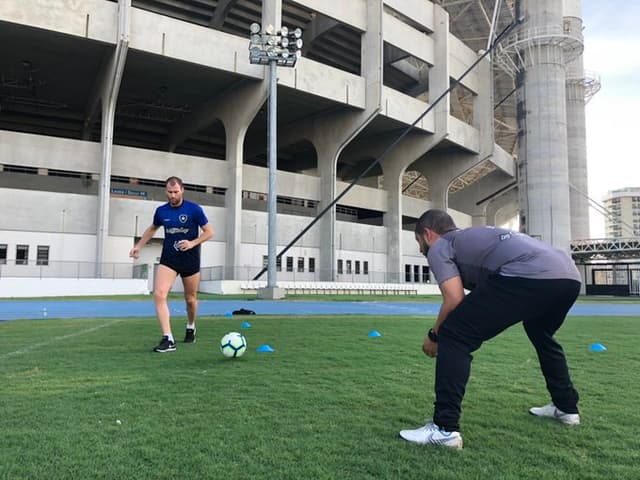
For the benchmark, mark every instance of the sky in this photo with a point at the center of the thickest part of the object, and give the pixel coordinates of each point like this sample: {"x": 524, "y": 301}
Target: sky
{"x": 612, "y": 51}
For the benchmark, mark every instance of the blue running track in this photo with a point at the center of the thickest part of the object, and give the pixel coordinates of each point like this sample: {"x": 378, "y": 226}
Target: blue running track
{"x": 22, "y": 309}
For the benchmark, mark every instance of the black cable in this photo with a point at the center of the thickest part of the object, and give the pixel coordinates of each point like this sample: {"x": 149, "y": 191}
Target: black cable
{"x": 393, "y": 144}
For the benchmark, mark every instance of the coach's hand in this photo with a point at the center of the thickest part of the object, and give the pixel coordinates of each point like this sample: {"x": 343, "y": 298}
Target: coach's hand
{"x": 430, "y": 348}
{"x": 135, "y": 252}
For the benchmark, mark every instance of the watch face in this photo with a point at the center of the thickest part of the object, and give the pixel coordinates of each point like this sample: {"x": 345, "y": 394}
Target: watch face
{"x": 432, "y": 335}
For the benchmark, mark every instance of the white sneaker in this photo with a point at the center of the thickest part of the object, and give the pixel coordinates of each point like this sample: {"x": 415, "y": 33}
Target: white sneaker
{"x": 431, "y": 434}
{"x": 551, "y": 411}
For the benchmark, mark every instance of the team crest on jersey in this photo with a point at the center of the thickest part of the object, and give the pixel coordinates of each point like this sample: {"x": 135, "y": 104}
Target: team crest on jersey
{"x": 183, "y": 218}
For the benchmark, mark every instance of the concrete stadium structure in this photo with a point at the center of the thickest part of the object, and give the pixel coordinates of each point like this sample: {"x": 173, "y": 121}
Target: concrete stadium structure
{"x": 101, "y": 100}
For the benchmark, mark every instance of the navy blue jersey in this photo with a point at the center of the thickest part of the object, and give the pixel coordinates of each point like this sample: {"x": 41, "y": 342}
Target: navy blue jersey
{"x": 180, "y": 223}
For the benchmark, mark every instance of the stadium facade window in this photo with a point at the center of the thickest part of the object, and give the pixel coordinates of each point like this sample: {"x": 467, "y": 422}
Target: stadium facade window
{"x": 349, "y": 271}
{"x": 22, "y": 254}
{"x": 265, "y": 260}
{"x": 425, "y": 274}
{"x": 300, "y": 264}
{"x": 365, "y": 267}
{"x": 3, "y": 254}
{"x": 416, "y": 273}
{"x": 279, "y": 264}
{"x": 340, "y": 267}
{"x": 357, "y": 267}
{"x": 312, "y": 265}
{"x": 407, "y": 273}
{"x": 42, "y": 255}
{"x": 289, "y": 264}
{"x": 20, "y": 169}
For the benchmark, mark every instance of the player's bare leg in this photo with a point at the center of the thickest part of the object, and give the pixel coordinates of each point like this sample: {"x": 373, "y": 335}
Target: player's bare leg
{"x": 165, "y": 277}
{"x": 191, "y": 285}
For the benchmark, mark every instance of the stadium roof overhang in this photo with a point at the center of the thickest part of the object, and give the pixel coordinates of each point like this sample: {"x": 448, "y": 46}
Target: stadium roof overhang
{"x": 48, "y": 81}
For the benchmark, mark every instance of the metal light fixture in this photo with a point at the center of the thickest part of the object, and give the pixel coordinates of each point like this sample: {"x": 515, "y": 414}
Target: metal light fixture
{"x": 281, "y": 46}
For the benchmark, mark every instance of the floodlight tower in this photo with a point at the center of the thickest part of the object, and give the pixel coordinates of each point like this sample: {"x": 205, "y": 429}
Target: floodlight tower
{"x": 276, "y": 48}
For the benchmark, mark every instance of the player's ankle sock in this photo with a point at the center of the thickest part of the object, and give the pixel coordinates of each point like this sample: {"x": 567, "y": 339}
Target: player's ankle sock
{"x": 170, "y": 337}
{"x": 191, "y": 326}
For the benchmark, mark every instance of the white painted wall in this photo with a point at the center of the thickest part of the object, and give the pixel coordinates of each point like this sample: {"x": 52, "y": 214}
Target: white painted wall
{"x": 462, "y": 57}
{"x": 463, "y": 134}
{"x": 94, "y": 19}
{"x": 419, "y": 11}
{"x": 324, "y": 81}
{"x": 406, "y": 109}
{"x": 353, "y": 12}
{"x": 408, "y": 39}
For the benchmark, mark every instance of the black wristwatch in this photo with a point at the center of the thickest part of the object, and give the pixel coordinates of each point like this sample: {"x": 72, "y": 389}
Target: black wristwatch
{"x": 433, "y": 336}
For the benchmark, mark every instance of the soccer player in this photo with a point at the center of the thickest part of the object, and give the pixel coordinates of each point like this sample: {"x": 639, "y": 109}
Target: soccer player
{"x": 511, "y": 277}
{"x": 185, "y": 228}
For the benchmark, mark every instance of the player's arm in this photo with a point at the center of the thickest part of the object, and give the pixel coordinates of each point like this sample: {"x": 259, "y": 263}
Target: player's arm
{"x": 146, "y": 236}
{"x": 452, "y": 294}
{"x": 206, "y": 234}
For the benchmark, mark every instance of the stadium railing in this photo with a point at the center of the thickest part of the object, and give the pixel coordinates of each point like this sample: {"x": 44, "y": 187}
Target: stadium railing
{"x": 66, "y": 269}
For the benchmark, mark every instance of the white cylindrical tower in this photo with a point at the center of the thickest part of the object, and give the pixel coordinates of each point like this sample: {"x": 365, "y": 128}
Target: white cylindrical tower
{"x": 580, "y": 88}
{"x": 543, "y": 165}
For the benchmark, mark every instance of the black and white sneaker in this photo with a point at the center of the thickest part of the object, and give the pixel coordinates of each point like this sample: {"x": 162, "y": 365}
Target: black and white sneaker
{"x": 165, "y": 345}
{"x": 190, "y": 336}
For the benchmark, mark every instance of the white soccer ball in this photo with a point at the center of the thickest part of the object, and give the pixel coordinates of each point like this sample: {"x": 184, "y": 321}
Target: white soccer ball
{"x": 233, "y": 345}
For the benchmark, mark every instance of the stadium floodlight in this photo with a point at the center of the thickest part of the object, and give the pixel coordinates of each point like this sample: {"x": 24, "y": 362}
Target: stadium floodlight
{"x": 281, "y": 46}
{"x": 276, "y": 48}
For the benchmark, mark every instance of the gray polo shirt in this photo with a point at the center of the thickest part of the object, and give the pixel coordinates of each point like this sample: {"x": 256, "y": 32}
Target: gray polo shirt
{"x": 475, "y": 253}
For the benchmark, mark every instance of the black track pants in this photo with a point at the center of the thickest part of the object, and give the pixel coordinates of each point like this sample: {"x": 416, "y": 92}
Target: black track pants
{"x": 498, "y": 303}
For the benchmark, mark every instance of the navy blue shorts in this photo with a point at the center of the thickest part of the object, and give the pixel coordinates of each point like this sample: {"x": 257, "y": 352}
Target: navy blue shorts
{"x": 184, "y": 269}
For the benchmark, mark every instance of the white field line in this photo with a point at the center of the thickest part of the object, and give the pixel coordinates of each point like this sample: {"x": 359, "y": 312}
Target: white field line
{"x": 57, "y": 339}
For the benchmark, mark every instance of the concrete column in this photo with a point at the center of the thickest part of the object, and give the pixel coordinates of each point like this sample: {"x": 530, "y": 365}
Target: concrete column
{"x": 412, "y": 147}
{"x": 109, "y": 97}
{"x": 236, "y": 111}
{"x": 347, "y": 129}
{"x": 327, "y": 162}
{"x": 502, "y": 208}
{"x": 440, "y": 169}
{"x": 236, "y": 108}
{"x": 576, "y": 129}
{"x": 330, "y": 134}
{"x": 543, "y": 167}
{"x": 483, "y": 117}
{"x": 415, "y": 146}
{"x": 476, "y": 198}
{"x": 439, "y": 74}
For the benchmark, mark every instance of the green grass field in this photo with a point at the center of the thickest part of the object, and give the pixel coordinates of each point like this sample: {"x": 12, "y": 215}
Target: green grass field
{"x": 86, "y": 399}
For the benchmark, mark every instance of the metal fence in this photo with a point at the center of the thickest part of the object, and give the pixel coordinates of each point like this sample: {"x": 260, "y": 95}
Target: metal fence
{"x": 248, "y": 273}
{"x": 59, "y": 269}
{"x": 618, "y": 278}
